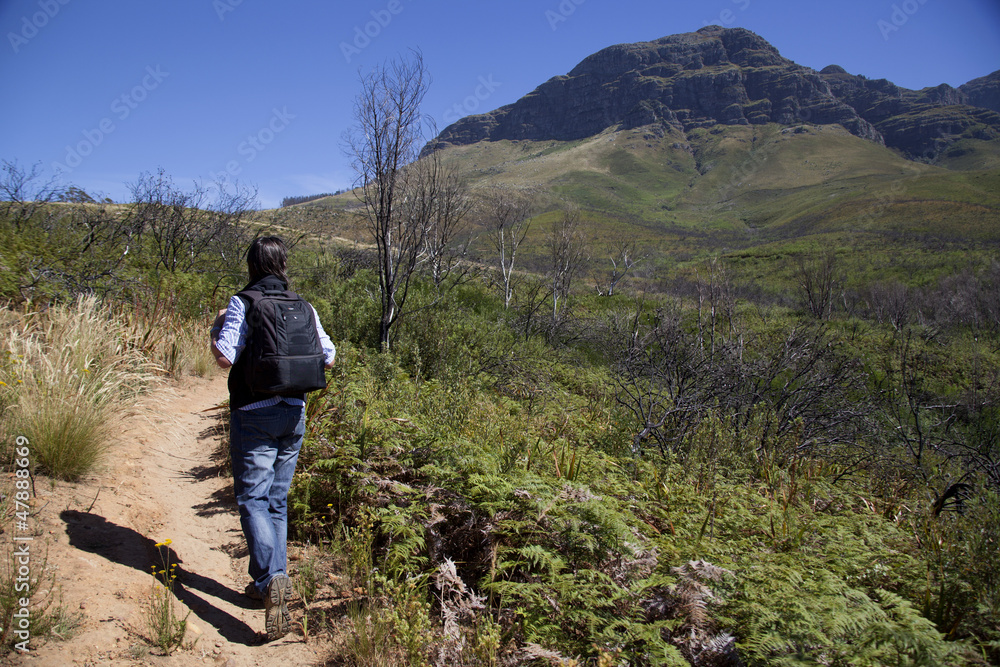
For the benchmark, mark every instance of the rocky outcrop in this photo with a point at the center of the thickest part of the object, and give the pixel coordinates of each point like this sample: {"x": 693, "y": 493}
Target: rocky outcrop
{"x": 720, "y": 76}
{"x": 920, "y": 123}
{"x": 713, "y": 76}
{"x": 983, "y": 92}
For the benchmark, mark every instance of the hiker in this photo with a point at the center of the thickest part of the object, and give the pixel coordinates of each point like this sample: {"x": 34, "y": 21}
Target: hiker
{"x": 266, "y": 428}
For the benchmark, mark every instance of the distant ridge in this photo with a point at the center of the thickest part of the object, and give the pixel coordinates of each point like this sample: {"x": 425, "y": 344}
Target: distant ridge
{"x": 719, "y": 76}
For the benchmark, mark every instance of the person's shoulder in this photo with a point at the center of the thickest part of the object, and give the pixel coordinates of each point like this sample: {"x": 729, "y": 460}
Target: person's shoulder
{"x": 237, "y": 304}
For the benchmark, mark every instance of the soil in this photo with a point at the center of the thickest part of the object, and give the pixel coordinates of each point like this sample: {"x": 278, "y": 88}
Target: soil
{"x": 166, "y": 478}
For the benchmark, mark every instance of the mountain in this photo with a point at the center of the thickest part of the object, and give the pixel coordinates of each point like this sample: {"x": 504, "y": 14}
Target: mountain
{"x": 719, "y": 76}
{"x": 921, "y": 123}
{"x": 983, "y": 92}
{"x": 712, "y": 142}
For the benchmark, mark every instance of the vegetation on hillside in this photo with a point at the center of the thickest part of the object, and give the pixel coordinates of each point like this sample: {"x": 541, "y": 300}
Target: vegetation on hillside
{"x": 780, "y": 453}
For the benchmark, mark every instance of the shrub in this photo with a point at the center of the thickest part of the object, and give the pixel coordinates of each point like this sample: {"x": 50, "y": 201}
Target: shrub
{"x": 74, "y": 370}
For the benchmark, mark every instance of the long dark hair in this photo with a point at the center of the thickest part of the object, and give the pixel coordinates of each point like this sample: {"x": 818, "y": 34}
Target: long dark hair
{"x": 267, "y": 256}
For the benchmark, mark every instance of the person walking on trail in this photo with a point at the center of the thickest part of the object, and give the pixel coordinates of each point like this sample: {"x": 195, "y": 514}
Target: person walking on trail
{"x": 267, "y": 426}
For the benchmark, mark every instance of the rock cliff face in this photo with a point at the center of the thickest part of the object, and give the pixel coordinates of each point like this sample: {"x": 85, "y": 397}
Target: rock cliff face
{"x": 719, "y": 76}
{"x": 920, "y": 123}
{"x": 983, "y": 92}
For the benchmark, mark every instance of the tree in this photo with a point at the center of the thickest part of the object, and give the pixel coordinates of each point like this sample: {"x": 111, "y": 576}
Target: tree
{"x": 190, "y": 230}
{"x": 818, "y": 281}
{"x": 23, "y": 194}
{"x": 566, "y": 249}
{"x": 57, "y": 242}
{"x": 506, "y": 217}
{"x": 621, "y": 252}
{"x": 385, "y": 138}
{"x": 447, "y": 218}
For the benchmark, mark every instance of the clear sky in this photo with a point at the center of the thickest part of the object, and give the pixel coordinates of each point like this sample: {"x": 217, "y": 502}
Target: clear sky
{"x": 263, "y": 90}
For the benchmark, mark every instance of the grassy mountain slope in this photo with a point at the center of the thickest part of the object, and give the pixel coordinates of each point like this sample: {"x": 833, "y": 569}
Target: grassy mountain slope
{"x": 763, "y": 191}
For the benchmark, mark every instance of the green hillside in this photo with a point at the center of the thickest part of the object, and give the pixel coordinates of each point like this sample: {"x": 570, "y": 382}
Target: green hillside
{"x": 729, "y": 189}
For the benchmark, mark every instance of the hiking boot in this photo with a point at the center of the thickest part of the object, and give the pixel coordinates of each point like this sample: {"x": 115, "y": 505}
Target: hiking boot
{"x": 276, "y": 617}
{"x": 251, "y": 592}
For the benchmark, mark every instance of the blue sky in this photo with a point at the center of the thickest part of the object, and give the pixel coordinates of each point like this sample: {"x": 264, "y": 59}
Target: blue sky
{"x": 263, "y": 91}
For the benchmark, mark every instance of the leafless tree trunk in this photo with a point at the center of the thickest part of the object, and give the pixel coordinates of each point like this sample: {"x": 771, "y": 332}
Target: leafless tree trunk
{"x": 818, "y": 280}
{"x": 717, "y": 309}
{"x": 566, "y": 250}
{"x": 507, "y": 217}
{"x": 386, "y": 137}
{"x": 445, "y": 201}
{"x": 621, "y": 252}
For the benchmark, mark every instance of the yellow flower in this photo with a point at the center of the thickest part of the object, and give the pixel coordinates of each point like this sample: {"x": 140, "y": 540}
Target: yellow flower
{"x": 168, "y": 541}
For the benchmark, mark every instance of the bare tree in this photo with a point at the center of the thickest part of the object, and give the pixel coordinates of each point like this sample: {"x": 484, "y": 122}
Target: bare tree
{"x": 447, "y": 221}
{"x": 818, "y": 281}
{"x": 890, "y": 302}
{"x": 386, "y": 137}
{"x": 621, "y": 252}
{"x": 717, "y": 307}
{"x": 23, "y": 193}
{"x": 190, "y": 230}
{"x": 506, "y": 217}
{"x": 71, "y": 243}
{"x": 793, "y": 394}
{"x": 566, "y": 250}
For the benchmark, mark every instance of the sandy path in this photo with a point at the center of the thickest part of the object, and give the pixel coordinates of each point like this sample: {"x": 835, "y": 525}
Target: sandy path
{"x": 163, "y": 481}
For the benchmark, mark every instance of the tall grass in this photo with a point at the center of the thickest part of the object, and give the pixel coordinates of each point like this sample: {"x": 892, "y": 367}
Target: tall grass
{"x": 70, "y": 373}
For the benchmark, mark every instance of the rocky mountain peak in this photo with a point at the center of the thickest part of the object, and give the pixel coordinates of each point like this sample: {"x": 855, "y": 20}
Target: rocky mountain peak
{"x": 722, "y": 76}
{"x": 713, "y": 76}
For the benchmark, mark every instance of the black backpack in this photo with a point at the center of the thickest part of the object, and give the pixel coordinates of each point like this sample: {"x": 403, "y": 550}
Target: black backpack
{"x": 285, "y": 354}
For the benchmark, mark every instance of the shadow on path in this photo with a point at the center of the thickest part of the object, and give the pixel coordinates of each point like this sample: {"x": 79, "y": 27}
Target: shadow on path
{"x": 95, "y": 534}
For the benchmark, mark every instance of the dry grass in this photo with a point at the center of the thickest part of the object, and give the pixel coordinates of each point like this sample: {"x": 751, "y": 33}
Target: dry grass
{"x": 70, "y": 374}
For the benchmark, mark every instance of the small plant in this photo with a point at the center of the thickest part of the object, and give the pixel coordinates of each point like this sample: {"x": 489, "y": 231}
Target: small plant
{"x": 359, "y": 542}
{"x": 370, "y": 641}
{"x": 47, "y": 616}
{"x": 410, "y": 618}
{"x": 165, "y": 628}
{"x": 307, "y": 584}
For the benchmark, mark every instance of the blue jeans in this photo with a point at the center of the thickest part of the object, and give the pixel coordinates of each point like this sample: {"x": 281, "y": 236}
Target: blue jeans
{"x": 264, "y": 445}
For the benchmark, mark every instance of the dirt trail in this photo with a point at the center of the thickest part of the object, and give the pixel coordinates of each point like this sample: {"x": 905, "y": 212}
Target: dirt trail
{"x": 164, "y": 480}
